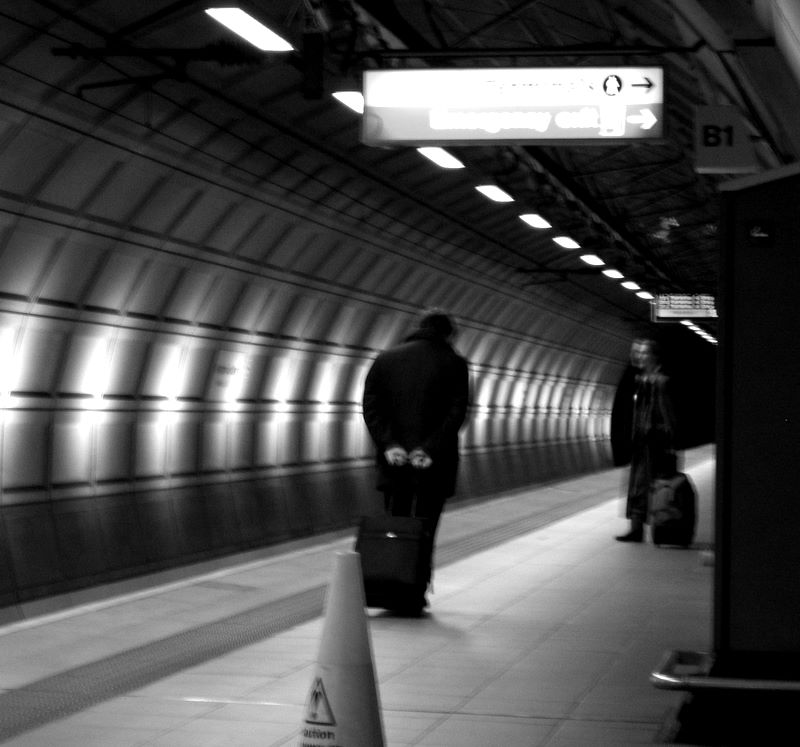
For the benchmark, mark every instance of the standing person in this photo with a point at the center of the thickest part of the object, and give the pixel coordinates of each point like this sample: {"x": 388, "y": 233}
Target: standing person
{"x": 416, "y": 397}
{"x": 653, "y": 432}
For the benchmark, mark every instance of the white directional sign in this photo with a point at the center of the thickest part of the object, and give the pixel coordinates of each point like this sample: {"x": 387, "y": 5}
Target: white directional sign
{"x": 672, "y": 306}
{"x": 592, "y": 105}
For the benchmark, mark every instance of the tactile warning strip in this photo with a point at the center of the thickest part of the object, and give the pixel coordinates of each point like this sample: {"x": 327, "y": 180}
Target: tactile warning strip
{"x": 68, "y": 692}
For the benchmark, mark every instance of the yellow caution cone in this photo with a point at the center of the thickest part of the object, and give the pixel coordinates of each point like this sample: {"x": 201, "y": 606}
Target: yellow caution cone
{"x": 343, "y": 707}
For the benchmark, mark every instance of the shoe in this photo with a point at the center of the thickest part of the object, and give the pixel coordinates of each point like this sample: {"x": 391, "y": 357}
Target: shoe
{"x": 412, "y": 607}
{"x": 635, "y": 535}
{"x": 409, "y": 610}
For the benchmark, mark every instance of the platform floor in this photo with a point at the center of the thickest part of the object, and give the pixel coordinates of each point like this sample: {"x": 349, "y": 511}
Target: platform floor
{"x": 542, "y": 631}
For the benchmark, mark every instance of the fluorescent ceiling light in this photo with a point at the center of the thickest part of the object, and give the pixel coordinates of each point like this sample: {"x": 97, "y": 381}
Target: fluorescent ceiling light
{"x": 494, "y": 193}
{"x": 567, "y": 242}
{"x": 441, "y": 158}
{"x": 613, "y": 274}
{"x": 250, "y": 29}
{"x": 687, "y": 322}
{"x": 630, "y": 285}
{"x": 592, "y": 259}
{"x": 535, "y": 220}
{"x": 352, "y": 99}
{"x": 645, "y": 295}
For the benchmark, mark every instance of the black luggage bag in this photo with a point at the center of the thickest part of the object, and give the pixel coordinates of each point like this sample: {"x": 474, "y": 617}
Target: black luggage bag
{"x": 673, "y": 510}
{"x": 395, "y": 561}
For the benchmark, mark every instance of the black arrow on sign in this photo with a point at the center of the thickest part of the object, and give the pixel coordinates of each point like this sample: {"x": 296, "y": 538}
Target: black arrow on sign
{"x": 648, "y": 84}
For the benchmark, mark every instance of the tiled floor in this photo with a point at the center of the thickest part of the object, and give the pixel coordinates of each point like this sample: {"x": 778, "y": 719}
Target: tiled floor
{"x": 546, "y": 639}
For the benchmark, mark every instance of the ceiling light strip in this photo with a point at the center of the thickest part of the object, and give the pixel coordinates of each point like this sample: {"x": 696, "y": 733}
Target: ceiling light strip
{"x": 251, "y": 30}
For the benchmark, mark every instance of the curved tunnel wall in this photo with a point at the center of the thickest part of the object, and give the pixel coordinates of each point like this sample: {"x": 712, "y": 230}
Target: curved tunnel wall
{"x": 183, "y": 345}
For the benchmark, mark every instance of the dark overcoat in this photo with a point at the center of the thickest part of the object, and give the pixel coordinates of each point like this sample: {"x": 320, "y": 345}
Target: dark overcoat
{"x": 653, "y": 438}
{"x": 416, "y": 395}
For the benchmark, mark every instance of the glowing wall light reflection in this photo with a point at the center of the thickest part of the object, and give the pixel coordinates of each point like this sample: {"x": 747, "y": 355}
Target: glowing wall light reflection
{"x": 532, "y": 394}
{"x": 231, "y": 372}
{"x": 238, "y": 380}
{"x": 171, "y": 376}
{"x": 169, "y": 380}
{"x": 282, "y": 388}
{"x": 169, "y": 415}
{"x": 96, "y": 370}
{"x": 9, "y": 365}
{"x": 485, "y": 394}
{"x": 502, "y": 391}
{"x": 356, "y": 383}
{"x": 327, "y": 381}
{"x": 518, "y": 393}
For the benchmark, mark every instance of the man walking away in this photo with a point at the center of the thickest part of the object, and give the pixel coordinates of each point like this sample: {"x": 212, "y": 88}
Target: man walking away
{"x": 416, "y": 397}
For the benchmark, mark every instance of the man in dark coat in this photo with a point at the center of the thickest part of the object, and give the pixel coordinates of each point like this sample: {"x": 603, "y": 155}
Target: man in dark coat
{"x": 653, "y": 433}
{"x": 416, "y": 397}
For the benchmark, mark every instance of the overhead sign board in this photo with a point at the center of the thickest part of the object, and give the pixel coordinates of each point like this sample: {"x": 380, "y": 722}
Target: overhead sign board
{"x": 672, "y": 306}
{"x": 722, "y": 143}
{"x": 549, "y": 105}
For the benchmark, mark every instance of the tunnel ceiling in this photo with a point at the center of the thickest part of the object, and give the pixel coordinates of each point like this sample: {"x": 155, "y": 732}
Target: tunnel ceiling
{"x": 643, "y": 207}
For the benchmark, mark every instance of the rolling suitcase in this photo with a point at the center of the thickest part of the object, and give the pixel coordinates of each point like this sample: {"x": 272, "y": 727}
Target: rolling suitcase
{"x": 395, "y": 561}
{"x": 673, "y": 510}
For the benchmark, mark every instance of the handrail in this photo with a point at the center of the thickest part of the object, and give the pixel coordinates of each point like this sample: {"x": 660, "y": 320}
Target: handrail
{"x": 689, "y": 670}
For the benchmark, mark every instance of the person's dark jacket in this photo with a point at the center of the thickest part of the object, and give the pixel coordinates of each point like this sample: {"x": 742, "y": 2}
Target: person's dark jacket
{"x": 416, "y": 395}
{"x": 653, "y": 437}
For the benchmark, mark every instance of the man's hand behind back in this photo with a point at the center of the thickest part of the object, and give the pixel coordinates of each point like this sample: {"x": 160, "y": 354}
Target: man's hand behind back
{"x": 396, "y": 456}
{"x": 419, "y": 459}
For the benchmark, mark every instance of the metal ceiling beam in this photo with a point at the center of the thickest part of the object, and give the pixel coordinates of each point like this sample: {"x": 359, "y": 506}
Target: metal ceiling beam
{"x": 223, "y": 52}
{"x": 496, "y": 21}
{"x": 564, "y": 50}
{"x": 553, "y": 275}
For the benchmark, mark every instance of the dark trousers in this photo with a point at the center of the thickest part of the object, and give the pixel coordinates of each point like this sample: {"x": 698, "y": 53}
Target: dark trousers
{"x": 647, "y": 459}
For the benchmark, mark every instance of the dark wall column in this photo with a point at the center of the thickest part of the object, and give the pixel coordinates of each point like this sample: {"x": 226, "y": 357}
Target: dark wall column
{"x": 757, "y": 591}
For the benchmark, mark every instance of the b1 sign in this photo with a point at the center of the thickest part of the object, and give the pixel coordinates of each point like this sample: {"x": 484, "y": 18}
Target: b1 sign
{"x": 591, "y": 105}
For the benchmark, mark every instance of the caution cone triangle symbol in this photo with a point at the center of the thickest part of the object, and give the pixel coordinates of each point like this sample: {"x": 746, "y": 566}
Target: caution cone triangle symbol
{"x": 343, "y": 706}
{"x": 318, "y": 708}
